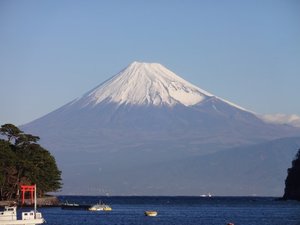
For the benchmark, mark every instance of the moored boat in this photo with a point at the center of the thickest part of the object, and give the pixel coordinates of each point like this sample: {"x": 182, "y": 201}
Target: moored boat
{"x": 74, "y": 206}
{"x": 9, "y": 215}
{"x": 100, "y": 207}
{"x": 150, "y": 213}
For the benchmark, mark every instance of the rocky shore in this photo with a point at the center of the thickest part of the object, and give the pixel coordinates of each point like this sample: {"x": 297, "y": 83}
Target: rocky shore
{"x": 45, "y": 201}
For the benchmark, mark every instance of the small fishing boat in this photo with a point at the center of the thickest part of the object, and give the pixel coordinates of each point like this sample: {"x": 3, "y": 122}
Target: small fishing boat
{"x": 74, "y": 206}
{"x": 100, "y": 207}
{"x": 208, "y": 195}
{"x": 150, "y": 213}
{"x": 9, "y": 215}
{"x": 67, "y": 204}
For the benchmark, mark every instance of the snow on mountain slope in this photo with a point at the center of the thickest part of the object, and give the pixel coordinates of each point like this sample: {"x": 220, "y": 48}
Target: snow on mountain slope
{"x": 148, "y": 100}
{"x": 147, "y": 84}
{"x": 147, "y": 117}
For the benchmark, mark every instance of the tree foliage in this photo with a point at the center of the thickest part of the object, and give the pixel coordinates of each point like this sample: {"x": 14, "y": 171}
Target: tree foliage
{"x": 24, "y": 161}
{"x": 292, "y": 182}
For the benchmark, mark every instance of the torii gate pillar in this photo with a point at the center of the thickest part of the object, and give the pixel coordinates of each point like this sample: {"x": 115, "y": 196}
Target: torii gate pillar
{"x": 28, "y": 188}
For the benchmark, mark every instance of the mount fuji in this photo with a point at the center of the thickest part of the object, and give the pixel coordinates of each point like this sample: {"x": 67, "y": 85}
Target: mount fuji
{"x": 148, "y": 122}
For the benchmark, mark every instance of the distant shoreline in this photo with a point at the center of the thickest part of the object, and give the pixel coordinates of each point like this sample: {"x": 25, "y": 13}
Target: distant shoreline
{"x": 54, "y": 201}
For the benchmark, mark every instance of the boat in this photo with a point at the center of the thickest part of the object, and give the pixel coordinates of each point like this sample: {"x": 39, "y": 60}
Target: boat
{"x": 150, "y": 213}
{"x": 67, "y": 204}
{"x": 74, "y": 206}
{"x": 9, "y": 215}
{"x": 208, "y": 195}
{"x": 100, "y": 207}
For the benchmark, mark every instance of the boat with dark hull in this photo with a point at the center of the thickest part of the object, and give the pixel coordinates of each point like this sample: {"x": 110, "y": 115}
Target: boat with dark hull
{"x": 74, "y": 206}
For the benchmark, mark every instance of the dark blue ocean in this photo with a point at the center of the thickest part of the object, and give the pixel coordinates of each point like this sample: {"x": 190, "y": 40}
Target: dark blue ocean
{"x": 177, "y": 211}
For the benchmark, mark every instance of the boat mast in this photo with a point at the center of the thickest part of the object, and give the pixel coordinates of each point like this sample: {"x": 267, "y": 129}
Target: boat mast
{"x": 35, "y": 201}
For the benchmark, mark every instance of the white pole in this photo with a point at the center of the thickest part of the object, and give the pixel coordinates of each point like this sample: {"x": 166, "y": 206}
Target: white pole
{"x": 35, "y": 201}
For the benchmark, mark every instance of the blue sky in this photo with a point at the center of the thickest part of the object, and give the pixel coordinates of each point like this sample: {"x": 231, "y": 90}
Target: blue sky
{"x": 51, "y": 52}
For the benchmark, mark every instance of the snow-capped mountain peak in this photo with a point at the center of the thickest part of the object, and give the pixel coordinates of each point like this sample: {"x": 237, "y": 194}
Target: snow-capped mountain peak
{"x": 147, "y": 83}
{"x": 131, "y": 123}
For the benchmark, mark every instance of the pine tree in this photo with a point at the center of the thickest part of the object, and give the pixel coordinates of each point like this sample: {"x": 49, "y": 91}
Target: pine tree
{"x": 24, "y": 161}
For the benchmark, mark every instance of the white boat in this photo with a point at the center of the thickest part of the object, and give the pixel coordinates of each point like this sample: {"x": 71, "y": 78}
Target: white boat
{"x": 100, "y": 207}
{"x": 208, "y": 195}
{"x": 9, "y": 216}
{"x": 150, "y": 213}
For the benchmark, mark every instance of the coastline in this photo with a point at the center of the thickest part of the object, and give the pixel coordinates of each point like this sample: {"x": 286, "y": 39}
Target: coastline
{"x": 44, "y": 201}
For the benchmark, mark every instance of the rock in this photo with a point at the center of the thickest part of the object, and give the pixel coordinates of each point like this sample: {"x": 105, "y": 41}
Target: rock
{"x": 292, "y": 182}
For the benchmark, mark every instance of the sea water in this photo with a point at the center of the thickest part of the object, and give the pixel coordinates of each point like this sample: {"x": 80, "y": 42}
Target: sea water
{"x": 177, "y": 211}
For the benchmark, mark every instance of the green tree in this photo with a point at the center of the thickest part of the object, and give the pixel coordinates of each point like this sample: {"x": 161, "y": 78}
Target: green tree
{"x": 10, "y": 131}
{"x": 23, "y": 161}
{"x": 7, "y": 169}
{"x": 39, "y": 167}
{"x": 292, "y": 182}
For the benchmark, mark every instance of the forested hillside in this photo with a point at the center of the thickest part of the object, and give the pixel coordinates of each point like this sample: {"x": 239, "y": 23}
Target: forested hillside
{"x": 24, "y": 161}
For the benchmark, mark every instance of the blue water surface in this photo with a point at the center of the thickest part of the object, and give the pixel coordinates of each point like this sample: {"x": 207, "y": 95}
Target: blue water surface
{"x": 177, "y": 211}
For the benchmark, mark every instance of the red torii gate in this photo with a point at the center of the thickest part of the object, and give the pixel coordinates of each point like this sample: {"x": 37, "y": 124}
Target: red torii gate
{"x": 28, "y": 188}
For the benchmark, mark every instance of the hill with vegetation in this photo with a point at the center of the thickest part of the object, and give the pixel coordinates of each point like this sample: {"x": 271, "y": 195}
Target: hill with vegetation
{"x": 292, "y": 182}
{"x": 23, "y": 162}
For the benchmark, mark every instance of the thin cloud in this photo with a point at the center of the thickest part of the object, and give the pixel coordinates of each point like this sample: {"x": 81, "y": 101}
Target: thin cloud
{"x": 293, "y": 119}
